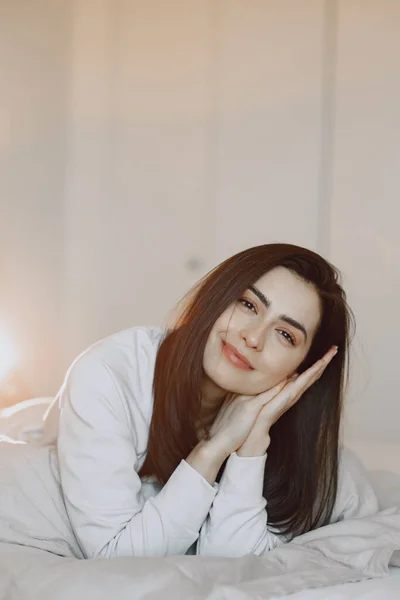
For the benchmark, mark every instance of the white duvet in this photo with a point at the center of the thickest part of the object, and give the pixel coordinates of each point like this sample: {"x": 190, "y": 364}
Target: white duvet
{"x": 292, "y": 569}
{"x": 39, "y": 556}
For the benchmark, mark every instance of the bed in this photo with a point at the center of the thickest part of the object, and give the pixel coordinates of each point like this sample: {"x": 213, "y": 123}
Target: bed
{"x": 37, "y": 575}
{"x": 357, "y": 559}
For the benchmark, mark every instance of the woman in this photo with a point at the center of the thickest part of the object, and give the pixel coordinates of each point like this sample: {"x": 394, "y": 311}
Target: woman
{"x": 221, "y": 435}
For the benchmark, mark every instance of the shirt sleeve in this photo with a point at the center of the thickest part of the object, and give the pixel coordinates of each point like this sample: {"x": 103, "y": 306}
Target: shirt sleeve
{"x": 101, "y": 486}
{"x": 237, "y": 522}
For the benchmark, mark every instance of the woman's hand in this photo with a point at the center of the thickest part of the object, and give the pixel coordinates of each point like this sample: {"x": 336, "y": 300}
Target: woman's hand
{"x": 235, "y": 420}
{"x": 257, "y": 442}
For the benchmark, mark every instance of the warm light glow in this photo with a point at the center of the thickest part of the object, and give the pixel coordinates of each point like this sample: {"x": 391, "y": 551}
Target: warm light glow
{"x": 8, "y": 354}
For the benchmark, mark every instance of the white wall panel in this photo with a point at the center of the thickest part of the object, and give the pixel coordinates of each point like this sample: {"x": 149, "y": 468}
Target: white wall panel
{"x": 365, "y": 213}
{"x": 138, "y": 162}
{"x": 34, "y": 46}
{"x": 268, "y": 132}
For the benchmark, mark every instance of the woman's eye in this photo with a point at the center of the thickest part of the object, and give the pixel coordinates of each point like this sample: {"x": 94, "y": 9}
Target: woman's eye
{"x": 247, "y": 304}
{"x": 287, "y": 336}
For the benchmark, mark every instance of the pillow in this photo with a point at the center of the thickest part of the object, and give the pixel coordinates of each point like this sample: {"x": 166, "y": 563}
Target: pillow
{"x": 386, "y": 485}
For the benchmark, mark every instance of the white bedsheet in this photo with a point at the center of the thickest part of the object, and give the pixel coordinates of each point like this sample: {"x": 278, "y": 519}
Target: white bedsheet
{"x": 27, "y": 574}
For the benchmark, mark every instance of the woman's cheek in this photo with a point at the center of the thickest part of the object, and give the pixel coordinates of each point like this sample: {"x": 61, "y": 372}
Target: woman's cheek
{"x": 279, "y": 371}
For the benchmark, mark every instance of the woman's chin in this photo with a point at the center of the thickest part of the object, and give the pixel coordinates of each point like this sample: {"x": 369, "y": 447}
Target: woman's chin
{"x": 231, "y": 387}
{"x": 230, "y": 381}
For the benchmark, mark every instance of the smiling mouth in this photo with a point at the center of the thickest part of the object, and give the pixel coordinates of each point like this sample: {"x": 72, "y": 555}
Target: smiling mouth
{"x": 235, "y": 358}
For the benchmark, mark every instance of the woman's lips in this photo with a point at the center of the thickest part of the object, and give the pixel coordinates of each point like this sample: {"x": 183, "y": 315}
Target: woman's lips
{"x": 235, "y": 358}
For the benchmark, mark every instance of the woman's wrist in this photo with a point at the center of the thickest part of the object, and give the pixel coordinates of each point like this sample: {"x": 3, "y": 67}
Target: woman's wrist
{"x": 207, "y": 458}
{"x": 254, "y": 447}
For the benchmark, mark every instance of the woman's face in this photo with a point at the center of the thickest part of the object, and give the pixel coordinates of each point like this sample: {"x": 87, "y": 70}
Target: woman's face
{"x": 264, "y": 336}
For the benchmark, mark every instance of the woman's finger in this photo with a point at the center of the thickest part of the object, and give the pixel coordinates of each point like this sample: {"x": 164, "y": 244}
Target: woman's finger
{"x": 277, "y": 400}
{"x": 313, "y": 374}
{"x": 280, "y": 404}
{"x": 306, "y": 379}
{"x": 294, "y": 389}
{"x": 267, "y": 396}
{"x": 304, "y": 389}
{"x": 296, "y": 386}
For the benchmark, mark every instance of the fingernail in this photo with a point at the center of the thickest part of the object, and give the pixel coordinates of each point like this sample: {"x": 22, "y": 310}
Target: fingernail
{"x": 293, "y": 377}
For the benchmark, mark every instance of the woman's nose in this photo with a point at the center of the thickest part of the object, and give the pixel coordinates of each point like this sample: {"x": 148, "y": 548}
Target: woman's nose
{"x": 254, "y": 337}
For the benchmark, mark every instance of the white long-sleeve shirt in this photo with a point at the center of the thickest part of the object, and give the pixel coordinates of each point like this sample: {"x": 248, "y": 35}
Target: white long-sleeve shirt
{"x": 106, "y": 405}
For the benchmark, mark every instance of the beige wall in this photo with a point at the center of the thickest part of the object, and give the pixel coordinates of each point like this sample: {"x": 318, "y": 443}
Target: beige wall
{"x": 195, "y": 131}
{"x": 364, "y": 208}
{"x": 142, "y": 142}
{"x": 34, "y": 94}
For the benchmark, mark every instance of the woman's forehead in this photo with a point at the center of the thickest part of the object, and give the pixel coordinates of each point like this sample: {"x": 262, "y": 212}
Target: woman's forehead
{"x": 289, "y": 294}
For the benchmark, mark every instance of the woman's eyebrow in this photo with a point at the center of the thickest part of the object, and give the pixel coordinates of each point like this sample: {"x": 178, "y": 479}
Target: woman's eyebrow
{"x": 285, "y": 318}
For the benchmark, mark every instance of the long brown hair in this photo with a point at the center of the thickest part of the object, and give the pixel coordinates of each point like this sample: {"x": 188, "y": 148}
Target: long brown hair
{"x": 300, "y": 482}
